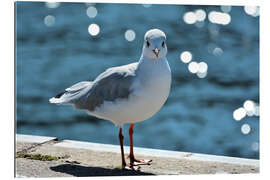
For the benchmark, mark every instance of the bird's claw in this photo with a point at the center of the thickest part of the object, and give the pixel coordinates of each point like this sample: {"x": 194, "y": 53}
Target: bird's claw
{"x": 138, "y": 162}
{"x": 131, "y": 167}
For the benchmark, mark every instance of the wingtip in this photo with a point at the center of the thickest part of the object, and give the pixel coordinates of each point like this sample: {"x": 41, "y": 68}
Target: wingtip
{"x": 53, "y": 100}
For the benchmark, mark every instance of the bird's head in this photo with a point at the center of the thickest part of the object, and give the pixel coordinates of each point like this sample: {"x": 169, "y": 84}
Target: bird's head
{"x": 154, "y": 47}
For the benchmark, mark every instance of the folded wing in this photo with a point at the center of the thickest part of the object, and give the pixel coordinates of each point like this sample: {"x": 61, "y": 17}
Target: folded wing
{"x": 114, "y": 83}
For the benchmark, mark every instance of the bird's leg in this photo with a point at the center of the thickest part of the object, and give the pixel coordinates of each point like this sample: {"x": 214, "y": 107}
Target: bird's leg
{"x": 124, "y": 164}
{"x": 133, "y": 160}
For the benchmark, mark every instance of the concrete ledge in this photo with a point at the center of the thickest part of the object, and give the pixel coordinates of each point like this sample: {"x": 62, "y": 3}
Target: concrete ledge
{"x": 141, "y": 151}
{"x": 158, "y": 153}
{"x": 77, "y": 158}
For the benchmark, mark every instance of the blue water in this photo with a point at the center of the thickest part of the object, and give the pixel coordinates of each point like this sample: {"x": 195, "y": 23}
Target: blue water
{"x": 198, "y": 115}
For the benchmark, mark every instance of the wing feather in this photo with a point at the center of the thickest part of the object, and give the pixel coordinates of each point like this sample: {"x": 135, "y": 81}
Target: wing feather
{"x": 114, "y": 83}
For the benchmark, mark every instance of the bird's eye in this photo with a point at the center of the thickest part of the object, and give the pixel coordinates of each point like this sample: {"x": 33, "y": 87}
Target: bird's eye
{"x": 147, "y": 43}
{"x": 163, "y": 44}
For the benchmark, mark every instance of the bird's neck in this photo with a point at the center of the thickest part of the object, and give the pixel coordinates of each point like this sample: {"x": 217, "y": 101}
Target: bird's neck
{"x": 149, "y": 63}
{"x": 150, "y": 68}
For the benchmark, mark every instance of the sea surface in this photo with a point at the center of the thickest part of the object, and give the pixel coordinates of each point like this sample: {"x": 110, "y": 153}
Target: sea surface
{"x": 55, "y": 49}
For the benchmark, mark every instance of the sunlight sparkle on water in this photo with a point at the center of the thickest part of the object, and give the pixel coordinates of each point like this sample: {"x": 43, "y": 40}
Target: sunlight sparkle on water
{"x": 186, "y": 57}
{"x": 49, "y": 20}
{"x": 130, "y": 35}
{"x": 202, "y": 71}
{"x": 252, "y": 10}
{"x": 249, "y": 107}
{"x": 239, "y": 114}
{"x": 193, "y": 67}
{"x": 245, "y": 128}
{"x": 217, "y": 51}
{"x": 190, "y": 17}
{"x": 200, "y": 15}
{"x": 91, "y": 12}
{"x": 52, "y": 4}
{"x": 255, "y": 146}
{"x": 219, "y": 18}
{"x": 202, "y": 67}
{"x": 93, "y": 29}
{"x": 197, "y": 17}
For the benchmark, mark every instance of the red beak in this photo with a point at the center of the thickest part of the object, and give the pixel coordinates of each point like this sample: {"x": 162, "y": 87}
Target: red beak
{"x": 156, "y": 51}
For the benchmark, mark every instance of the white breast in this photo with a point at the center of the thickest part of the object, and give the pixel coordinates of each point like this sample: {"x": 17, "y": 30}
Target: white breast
{"x": 150, "y": 91}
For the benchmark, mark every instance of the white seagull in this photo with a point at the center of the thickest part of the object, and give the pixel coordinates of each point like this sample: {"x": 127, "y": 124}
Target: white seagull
{"x": 126, "y": 94}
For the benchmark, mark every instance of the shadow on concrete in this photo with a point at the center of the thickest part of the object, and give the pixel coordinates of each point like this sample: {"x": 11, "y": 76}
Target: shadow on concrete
{"x": 84, "y": 171}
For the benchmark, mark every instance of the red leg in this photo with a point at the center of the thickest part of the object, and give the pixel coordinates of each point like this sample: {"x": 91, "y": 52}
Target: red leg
{"x": 133, "y": 160}
{"x": 124, "y": 164}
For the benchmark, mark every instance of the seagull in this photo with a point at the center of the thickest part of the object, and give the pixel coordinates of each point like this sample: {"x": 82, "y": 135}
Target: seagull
{"x": 126, "y": 94}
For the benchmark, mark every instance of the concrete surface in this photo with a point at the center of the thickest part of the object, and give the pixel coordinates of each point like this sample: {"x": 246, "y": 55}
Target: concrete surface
{"x": 91, "y": 159}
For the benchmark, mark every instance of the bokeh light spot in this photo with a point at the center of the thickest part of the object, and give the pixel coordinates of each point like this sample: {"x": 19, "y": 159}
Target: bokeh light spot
{"x": 249, "y": 107}
{"x": 217, "y": 51}
{"x": 239, "y": 114}
{"x": 202, "y": 67}
{"x": 245, "y": 128}
{"x": 219, "y": 18}
{"x": 91, "y": 12}
{"x": 252, "y": 10}
{"x": 93, "y": 29}
{"x": 190, "y": 17}
{"x": 255, "y": 146}
{"x": 130, "y": 35}
{"x": 186, "y": 57}
{"x": 49, "y": 20}
{"x": 193, "y": 67}
{"x": 200, "y": 15}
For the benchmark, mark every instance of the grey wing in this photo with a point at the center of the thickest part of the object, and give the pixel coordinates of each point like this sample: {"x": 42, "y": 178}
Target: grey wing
{"x": 115, "y": 83}
{"x": 71, "y": 94}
